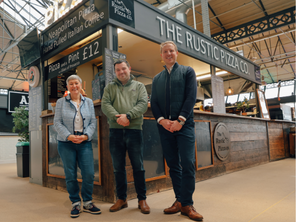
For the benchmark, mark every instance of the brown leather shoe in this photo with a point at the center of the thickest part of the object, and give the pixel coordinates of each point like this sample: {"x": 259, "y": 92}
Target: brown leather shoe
{"x": 175, "y": 208}
{"x": 145, "y": 209}
{"x": 118, "y": 205}
{"x": 191, "y": 213}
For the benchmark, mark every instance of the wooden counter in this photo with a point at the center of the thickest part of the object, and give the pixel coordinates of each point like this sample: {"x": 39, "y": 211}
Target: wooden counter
{"x": 253, "y": 141}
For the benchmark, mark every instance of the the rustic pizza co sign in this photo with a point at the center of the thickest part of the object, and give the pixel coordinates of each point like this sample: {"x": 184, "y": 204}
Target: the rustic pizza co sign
{"x": 222, "y": 141}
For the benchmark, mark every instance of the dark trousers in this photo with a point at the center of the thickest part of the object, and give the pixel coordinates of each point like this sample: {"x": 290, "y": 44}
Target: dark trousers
{"x": 130, "y": 140}
{"x": 179, "y": 152}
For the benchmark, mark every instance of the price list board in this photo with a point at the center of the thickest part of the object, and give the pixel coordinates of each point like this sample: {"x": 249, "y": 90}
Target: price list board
{"x": 58, "y": 86}
{"x": 110, "y": 58}
{"x": 107, "y": 75}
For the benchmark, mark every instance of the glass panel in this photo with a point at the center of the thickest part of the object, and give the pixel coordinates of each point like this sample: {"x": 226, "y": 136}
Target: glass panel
{"x": 242, "y": 96}
{"x": 55, "y": 164}
{"x": 271, "y": 93}
{"x": 153, "y": 159}
{"x": 232, "y": 99}
{"x": 286, "y": 91}
{"x": 203, "y": 144}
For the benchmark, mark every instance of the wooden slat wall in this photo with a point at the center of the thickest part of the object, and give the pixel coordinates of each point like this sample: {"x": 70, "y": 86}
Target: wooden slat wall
{"x": 276, "y": 141}
{"x": 279, "y": 140}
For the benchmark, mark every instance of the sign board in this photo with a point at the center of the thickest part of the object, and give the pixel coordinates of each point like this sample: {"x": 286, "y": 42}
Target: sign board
{"x": 155, "y": 25}
{"x": 110, "y": 58}
{"x": 57, "y": 86}
{"x": 29, "y": 48}
{"x": 222, "y": 141}
{"x": 33, "y": 76}
{"x": 107, "y": 75}
{"x": 74, "y": 59}
{"x": 17, "y": 99}
{"x": 82, "y": 21}
{"x": 122, "y": 11}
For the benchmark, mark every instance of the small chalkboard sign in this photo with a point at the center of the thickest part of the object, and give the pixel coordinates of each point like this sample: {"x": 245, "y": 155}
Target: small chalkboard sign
{"x": 110, "y": 57}
{"x": 102, "y": 78}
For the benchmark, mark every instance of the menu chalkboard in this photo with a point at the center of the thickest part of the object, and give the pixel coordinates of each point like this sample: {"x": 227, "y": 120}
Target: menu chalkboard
{"x": 108, "y": 74}
{"x": 57, "y": 85}
{"x": 110, "y": 58}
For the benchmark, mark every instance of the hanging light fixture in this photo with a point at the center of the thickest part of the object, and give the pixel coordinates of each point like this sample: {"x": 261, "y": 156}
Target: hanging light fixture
{"x": 229, "y": 90}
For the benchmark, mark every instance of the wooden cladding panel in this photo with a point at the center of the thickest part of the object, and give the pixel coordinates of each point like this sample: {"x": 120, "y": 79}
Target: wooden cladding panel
{"x": 249, "y": 144}
{"x": 276, "y": 141}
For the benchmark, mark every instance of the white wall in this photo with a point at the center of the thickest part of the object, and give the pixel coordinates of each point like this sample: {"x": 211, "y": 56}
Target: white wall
{"x": 8, "y": 149}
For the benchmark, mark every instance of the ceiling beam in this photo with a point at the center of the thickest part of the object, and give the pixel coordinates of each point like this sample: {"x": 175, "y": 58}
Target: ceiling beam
{"x": 11, "y": 78}
{"x": 254, "y": 27}
{"x": 264, "y": 38}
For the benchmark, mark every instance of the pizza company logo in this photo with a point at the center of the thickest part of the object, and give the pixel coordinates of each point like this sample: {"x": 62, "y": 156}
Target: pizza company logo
{"x": 121, "y": 9}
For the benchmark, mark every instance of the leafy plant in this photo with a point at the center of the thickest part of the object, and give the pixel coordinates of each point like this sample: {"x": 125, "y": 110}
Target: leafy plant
{"x": 243, "y": 105}
{"x": 21, "y": 123}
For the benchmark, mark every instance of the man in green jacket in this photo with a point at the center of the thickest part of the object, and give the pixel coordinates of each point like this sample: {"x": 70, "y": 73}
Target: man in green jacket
{"x": 124, "y": 102}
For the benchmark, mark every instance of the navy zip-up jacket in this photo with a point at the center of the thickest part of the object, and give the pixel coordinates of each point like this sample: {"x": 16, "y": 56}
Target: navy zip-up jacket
{"x": 183, "y": 89}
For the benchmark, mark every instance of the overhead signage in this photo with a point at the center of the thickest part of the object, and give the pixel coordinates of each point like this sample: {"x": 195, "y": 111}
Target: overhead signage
{"x": 122, "y": 11}
{"x": 74, "y": 59}
{"x": 58, "y": 9}
{"x": 222, "y": 141}
{"x": 17, "y": 99}
{"x": 154, "y": 24}
{"x": 76, "y": 25}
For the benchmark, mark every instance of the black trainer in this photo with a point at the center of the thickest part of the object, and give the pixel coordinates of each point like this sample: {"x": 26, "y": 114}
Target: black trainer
{"x": 75, "y": 211}
{"x": 91, "y": 208}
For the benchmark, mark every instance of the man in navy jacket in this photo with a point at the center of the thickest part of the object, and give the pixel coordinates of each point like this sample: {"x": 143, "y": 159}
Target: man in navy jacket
{"x": 172, "y": 101}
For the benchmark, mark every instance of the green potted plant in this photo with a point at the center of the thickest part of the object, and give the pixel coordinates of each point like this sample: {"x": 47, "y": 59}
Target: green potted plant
{"x": 243, "y": 106}
{"x": 21, "y": 125}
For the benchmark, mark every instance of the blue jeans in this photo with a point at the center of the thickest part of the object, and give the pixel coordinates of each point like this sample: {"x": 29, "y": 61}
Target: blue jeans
{"x": 179, "y": 152}
{"x": 130, "y": 140}
{"x": 81, "y": 154}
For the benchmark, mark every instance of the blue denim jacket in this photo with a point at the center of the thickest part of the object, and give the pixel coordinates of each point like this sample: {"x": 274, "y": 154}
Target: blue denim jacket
{"x": 64, "y": 117}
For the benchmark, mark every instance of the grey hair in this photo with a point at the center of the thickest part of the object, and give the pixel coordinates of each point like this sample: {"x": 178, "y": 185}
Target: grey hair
{"x": 74, "y": 76}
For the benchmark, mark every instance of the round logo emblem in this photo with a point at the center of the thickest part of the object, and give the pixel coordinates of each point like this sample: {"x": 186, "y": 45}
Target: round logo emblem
{"x": 33, "y": 76}
{"x": 222, "y": 141}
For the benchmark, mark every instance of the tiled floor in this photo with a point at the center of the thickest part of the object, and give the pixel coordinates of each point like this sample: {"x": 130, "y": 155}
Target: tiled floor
{"x": 264, "y": 193}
